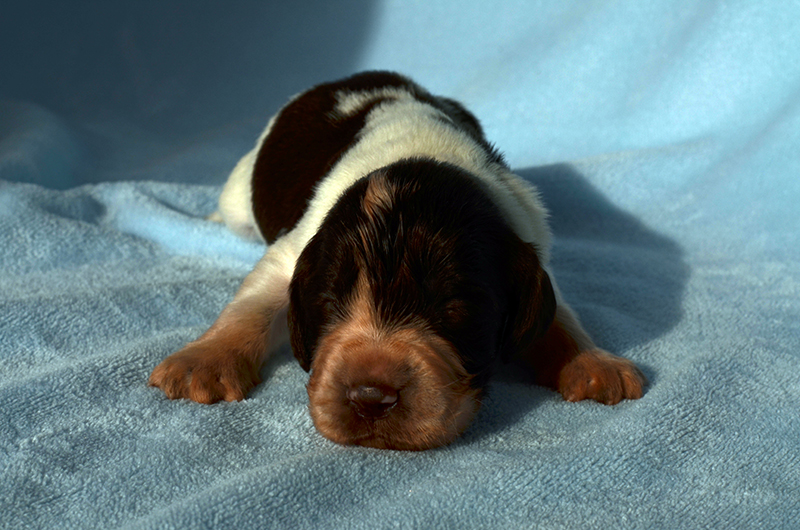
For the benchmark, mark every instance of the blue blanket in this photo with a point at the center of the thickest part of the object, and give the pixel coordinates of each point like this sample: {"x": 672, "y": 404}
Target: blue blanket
{"x": 665, "y": 138}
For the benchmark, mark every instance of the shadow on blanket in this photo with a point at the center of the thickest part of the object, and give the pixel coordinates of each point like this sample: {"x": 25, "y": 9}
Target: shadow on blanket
{"x": 625, "y": 280}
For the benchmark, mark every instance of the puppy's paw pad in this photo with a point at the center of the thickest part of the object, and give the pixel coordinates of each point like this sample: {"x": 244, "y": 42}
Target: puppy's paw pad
{"x": 598, "y": 375}
{"x": 204, "y": 374}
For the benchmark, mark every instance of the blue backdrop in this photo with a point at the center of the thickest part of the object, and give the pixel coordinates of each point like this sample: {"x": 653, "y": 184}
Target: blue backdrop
{"x": 664, "y": 136}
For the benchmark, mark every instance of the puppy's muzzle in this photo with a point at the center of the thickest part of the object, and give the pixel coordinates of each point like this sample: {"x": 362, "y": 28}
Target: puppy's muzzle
{"x": 401, "y": 390}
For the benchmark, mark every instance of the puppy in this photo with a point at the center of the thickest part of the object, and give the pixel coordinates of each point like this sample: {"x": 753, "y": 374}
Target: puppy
{"x": 406, "y": 258}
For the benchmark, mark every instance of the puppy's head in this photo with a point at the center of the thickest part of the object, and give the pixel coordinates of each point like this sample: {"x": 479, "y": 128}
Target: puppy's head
{"x": 401, "y": 303}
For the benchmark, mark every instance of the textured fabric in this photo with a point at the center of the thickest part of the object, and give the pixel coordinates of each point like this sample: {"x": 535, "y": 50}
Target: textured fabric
{"x": 664, "y": 136}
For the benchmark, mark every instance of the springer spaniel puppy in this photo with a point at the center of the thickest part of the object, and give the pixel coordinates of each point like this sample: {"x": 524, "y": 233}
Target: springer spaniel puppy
{"x": 407, "y": 259}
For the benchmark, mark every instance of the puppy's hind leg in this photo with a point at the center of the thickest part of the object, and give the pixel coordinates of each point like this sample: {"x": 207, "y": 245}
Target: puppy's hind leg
{"x": 224, "y": 363}
{"x": 567, "y": 360}
{"x": 235, "y": 203}
{"x": 235, "y": 208}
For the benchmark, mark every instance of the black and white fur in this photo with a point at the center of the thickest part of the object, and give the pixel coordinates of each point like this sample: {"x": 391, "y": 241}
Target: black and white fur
{"x": 345, "y": 147}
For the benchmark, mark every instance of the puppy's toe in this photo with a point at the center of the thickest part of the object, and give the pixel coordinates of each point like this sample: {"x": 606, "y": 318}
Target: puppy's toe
{"x": 171, "y": 377}
{"x": 598, "y": 375}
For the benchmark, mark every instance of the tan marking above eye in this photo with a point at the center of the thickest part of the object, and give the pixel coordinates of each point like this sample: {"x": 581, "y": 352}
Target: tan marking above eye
{"x": 455, "y": 310}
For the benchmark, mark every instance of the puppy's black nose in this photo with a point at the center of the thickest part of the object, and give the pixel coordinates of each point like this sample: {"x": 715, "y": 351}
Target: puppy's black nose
{"x": 372, "y": 401}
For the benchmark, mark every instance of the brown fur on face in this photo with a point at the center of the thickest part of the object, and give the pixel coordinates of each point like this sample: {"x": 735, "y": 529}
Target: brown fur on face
{"x": 400, "y": 306}
{"x": 434, "y": 400}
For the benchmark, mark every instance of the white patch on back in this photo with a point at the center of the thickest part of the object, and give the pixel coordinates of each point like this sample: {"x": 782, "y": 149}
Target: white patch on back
{"x": 403, "y": 128}
{"x": 349, "y": 102}
{"x": 400, "y": 128}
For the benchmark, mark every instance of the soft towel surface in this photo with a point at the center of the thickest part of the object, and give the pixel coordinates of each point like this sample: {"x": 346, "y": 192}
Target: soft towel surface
{"x": 664, "y": 137}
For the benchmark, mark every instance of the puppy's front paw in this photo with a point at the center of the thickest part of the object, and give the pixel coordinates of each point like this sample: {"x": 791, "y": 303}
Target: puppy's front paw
{"x": 598, "y": 375}
{"x": 204, "y": 373}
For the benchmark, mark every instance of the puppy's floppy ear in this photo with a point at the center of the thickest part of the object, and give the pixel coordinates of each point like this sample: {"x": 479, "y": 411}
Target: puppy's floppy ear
{"x": 323, "y": 279}
{"x": 532, "y": 301}
{"x": 304, "y": 313}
